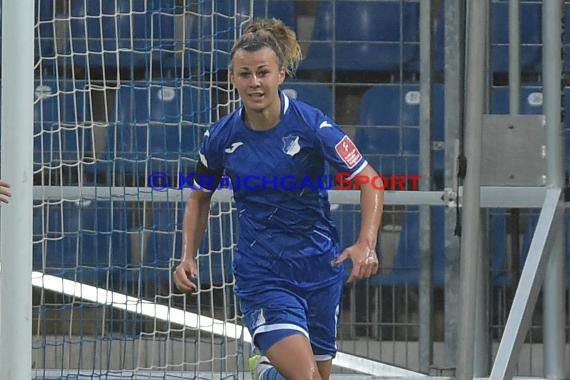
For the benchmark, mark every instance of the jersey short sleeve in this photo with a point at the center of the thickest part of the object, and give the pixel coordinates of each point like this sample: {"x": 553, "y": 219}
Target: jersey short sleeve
{"x": 209, "y": 168}
{"x": 338, "y": 149}
{"x": 210, "y": 153}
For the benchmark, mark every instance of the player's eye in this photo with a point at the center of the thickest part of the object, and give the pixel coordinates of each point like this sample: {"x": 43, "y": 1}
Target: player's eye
{"x": 244, "y": 74}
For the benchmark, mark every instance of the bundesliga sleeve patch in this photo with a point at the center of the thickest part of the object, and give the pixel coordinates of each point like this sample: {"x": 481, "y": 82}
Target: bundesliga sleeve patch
{"x": 348, "y": 152}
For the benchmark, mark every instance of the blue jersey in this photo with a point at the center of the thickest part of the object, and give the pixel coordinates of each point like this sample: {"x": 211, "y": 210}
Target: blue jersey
{"x": 280, "y": 179}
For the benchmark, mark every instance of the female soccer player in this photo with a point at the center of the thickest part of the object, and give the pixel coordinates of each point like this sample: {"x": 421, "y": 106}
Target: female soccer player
{"x": 4, "y": 192}
{"x": 275, "y": 150}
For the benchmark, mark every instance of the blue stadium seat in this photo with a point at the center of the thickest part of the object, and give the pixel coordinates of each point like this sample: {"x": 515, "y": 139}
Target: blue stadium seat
{"x": 369, "y": 36}
{"x": 44, "y": 35}
{"x": 150, "y": 131}
{"x": 405, "y": 268}
{"x": 388, "y": 124}
{"x": 530, "y": 36}
{"x": 210, "y": 37}
{"x": 165, "y": 42}
{"x": 101, "y": 31}
{"x": 61, "y": 135}
{"x": 406, "y": 265}
{"x": 282, "y": 10}
{"x": 376, "y": 140}
{"x": 315, "y": 94}
{"x": 320, "y": 53}
{"x": 530, "y": 101}
{"x": 390, "y": 105}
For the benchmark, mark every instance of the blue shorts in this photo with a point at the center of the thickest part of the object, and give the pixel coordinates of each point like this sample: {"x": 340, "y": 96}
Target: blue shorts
{"x": 277, "y": 313}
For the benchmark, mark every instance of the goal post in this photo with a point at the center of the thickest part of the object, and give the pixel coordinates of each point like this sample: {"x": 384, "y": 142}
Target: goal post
{"x": 16, "y": 169}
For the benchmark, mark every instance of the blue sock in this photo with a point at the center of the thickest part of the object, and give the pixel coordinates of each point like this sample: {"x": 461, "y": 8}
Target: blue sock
{"x": 271, "y": 373}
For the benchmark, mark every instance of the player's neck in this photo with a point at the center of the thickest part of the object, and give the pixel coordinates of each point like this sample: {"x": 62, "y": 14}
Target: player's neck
{"x": 265, "y": 119}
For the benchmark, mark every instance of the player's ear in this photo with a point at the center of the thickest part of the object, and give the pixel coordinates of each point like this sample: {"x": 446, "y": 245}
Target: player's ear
{"x": 282, "y": 75}
{"x": 231, "y": 72}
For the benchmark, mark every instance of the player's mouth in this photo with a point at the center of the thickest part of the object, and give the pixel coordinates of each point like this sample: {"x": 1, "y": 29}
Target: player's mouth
{"x": 256, "y": 95}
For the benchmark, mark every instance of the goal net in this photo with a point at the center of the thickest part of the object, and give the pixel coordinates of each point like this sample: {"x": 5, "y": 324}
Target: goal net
{"x": 123, "y": 93}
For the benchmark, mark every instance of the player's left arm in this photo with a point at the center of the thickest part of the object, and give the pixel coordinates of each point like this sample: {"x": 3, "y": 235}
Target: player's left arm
{"x": 343, "y": 154}
{"x": 365, "y": 261}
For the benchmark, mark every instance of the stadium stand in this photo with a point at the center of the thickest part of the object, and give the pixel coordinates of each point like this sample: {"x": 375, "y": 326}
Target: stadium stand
{"x": 75, "y": 239}
{"x": 530, "y": 37}
{"x": 62, "y": 137}
{"x": 116, "y": 36}
{"x": 147, "y": 134}
{"x": 367, "y": 36}
{"x": 387, "y": 112}
{"x": 316, "y": 94}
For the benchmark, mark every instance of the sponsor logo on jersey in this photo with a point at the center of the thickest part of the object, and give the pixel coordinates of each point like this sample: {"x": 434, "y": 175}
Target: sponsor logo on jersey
{"x": 325, "y": 124}
{"x": 348, "y": 152}
{"x": 233, "y": 147}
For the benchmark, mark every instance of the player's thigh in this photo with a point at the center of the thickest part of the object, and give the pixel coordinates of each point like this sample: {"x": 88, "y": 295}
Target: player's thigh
{"x": 325, "y": 369}
{"x": 271, "y": 313}
{"x": 293, "y": 358}
{"x": 323, "y": 315}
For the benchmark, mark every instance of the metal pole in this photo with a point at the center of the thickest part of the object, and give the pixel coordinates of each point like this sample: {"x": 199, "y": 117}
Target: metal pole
{"x": 514, "y": 57}
{"x": 482, "y": 348}
{"x": 16, "y": 164}
{"x": 482, "y": 341}
{"x": 454, "y": 90}
{"x": 554, "y": 288}
{"x": 514, "y": 109}
{"x": 471, "y": 218}
{"x": 425, "y": 280}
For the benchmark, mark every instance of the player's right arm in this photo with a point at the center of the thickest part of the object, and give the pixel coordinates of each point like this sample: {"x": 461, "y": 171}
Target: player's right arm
{"x": 206, "y": 178}
{"x": 195, "y": 221}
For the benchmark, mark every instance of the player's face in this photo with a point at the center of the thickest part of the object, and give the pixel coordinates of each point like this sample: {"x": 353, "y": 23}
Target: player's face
{"x": 257, "y": 76}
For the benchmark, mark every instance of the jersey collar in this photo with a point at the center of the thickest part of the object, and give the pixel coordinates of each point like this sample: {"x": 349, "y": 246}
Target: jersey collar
{"x": 284, "y": 105}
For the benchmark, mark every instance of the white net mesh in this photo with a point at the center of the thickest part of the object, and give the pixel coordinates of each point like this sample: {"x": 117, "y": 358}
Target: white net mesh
{"x": 125, "y": 89}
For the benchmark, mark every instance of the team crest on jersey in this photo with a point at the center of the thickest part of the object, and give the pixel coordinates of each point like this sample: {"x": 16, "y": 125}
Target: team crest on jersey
{"x": 291, "y": 145}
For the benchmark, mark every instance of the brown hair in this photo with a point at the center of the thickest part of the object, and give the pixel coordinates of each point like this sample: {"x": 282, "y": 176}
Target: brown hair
{"x": 277, "y": 36}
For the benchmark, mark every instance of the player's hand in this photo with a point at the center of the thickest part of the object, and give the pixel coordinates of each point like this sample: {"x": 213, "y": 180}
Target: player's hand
{"x": 185, "y": 276}
{"x": 4, "y": 192}
{"x": 364, "y": 261}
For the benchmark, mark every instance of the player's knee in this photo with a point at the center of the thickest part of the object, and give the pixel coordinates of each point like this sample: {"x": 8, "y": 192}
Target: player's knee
{"x": 300, "y": 371}
{"x": 309, "y": 372}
